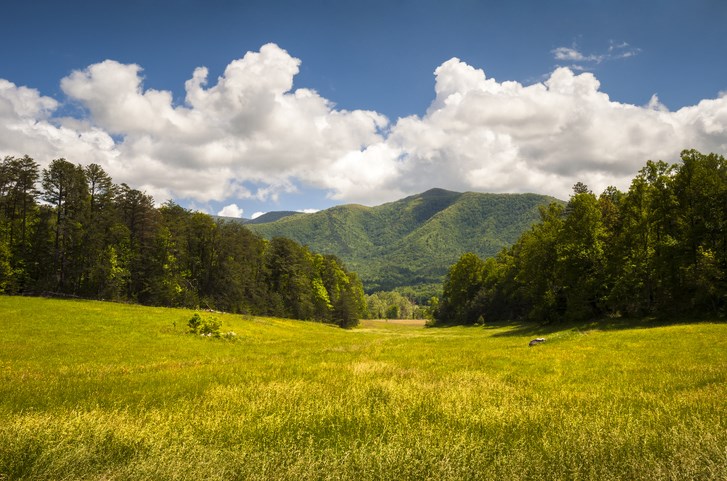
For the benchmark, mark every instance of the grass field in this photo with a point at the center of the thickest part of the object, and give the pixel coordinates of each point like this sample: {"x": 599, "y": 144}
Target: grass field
{"x": 92, "y": 390}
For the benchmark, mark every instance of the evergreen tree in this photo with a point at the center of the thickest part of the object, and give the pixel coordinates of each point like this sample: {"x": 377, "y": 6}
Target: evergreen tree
{"x": 136, "y": 241}
{"x": 18, "y": 212}
{"x": 65, "y": 188}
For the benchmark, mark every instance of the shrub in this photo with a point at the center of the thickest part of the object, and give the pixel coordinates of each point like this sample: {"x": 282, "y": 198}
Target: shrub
{"x": 204, "y": 326}
{"x": 194, "y": 323}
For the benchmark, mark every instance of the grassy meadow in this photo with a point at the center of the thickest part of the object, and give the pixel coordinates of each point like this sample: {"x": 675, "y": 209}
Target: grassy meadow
{"x": 93, "y": 390}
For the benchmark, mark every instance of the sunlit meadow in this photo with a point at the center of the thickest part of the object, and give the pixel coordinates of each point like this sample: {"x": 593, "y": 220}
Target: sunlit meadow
{"x": 93, "y": 390}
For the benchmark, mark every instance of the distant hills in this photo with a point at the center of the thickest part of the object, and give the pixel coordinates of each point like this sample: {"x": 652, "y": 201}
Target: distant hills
{"x": 409, "y": 243}
{"x": 271, "y": 217}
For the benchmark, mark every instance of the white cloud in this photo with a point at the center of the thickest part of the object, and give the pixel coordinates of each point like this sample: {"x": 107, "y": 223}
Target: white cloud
{"x": 27, "y": 127}
{"x": 622, "y": 50}
{"x": 248, "y": 126}
{"x": 308, "y": 211}
{"x": 231, "y": 210}
{"x": 257, "y": 214}
{"x": 480, "y": 134}
{"x": 251, "y": 135}
{"x": 580, "y": 61}
{"x": 655, "y": 104}
{"x": 570, "y": 55}
{"x": 22, "y": 102}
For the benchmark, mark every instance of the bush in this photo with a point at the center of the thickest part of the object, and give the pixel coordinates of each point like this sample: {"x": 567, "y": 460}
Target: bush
{"x": 204, "y": 326}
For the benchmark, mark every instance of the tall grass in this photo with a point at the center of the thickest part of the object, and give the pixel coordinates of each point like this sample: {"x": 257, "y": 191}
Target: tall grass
{"x": 92, "y": 390}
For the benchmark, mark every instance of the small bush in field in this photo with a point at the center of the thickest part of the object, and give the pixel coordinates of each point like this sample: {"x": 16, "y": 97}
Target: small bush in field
{"x": 204, "y": 326}
{"x": 194, "y": 323}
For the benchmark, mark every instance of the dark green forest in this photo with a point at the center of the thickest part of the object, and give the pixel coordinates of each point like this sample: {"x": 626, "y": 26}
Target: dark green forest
{"x": 68, "y": 230}
{"x": 658, "y": 249}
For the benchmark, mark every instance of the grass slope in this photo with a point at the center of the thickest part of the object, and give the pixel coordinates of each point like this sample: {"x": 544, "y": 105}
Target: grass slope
{"x": 413, "y": 241}
{"x": 93, "y": 390}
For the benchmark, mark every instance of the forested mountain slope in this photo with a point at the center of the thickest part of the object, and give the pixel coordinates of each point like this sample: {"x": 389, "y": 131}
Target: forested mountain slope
{"x": 412, "y": 241}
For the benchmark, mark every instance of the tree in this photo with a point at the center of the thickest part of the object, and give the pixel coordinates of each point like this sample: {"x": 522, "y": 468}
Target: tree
{"x": 345, "y": 292}
{"x": 238, "y": 280}
{"x": 392, "y": 305}
{"x": 533, "y": 260}
{"x": 18, "y": 212}
{"x": 65, "y": 188}
{"x": 700, "y": 192}
{"x": 580, "y": 263}
{"x": 641, "y": 262}
{"x": 461, "y": 286}
{"x": 346, "y": 309}
{"x": 104, "y": 275}
{"x": 137, "y": 236}
{"x": 290, "y": 271}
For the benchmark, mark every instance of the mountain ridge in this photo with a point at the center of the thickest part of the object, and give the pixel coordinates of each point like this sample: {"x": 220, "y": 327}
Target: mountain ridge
{"x": 411, "y": 242}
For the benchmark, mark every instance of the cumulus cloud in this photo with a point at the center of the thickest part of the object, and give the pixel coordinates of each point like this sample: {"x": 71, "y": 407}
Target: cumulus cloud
{"x": 249, "y": 126}
{"x": 485, "y": 135}
{"x": 231, "y": 210}
{"x": 26, "y": 127}
{"x": 251, "y": 134}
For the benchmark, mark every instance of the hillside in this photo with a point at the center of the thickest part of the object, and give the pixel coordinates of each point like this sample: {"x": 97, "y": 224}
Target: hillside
{"x": 412, "y": 241}
{"x": 270, "y": 217}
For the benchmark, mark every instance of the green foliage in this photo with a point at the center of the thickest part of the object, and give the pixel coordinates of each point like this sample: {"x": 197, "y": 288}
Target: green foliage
{"x": 208, "y": 326}
{"x": 18, "y": 219}
{"x": 660, "y": 248}
{"x": 6, "y": 270}
{"x": 194, "y": 322}
{"x": 411, "y": 242}
{"x": 94, "y": 239}
{"x": 393, "y": 305}
{"x": 460, "y": 303}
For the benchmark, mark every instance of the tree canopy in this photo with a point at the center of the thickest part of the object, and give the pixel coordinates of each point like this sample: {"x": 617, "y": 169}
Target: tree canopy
{"x": 82, "y": 235}
{"x": 659, "y": 248}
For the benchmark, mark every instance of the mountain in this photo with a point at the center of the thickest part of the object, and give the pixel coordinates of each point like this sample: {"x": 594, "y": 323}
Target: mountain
{"x": 263, "y": 219}
{"x": 271, "y": 217}
{"x": 413, "y": 241}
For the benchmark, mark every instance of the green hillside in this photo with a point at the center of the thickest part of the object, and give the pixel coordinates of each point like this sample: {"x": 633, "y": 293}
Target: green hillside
{"x": 268, "y": 217}
{"x": 413, "y": 241}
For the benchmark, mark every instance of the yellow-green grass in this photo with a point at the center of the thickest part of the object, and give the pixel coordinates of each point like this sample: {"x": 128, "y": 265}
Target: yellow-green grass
{"x": 92, "y": 390}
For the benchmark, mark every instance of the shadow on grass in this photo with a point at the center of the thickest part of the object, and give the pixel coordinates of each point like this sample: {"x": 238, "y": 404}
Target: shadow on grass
{"x": 518, "y": 329}
{"x": 522, "y": 329}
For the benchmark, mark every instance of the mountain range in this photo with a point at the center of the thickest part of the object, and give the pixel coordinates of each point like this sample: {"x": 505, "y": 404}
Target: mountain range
{"x": 409, "y": 244}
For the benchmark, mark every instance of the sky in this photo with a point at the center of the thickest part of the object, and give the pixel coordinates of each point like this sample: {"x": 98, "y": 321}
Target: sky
{"x": 242, "y": 107}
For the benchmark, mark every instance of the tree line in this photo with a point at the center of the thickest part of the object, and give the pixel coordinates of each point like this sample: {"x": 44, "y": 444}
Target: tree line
{"x": 658, "y": 249}
{"x": 69, "y": 230}
{"x": 394, "y": 305}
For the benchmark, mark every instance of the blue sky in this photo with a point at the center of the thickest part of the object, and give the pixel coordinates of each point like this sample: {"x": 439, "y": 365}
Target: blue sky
{"x": 361, "y": 101}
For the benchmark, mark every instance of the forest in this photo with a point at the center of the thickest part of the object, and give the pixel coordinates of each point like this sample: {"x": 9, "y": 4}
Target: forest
{"x": 659, "y": 248}
{"x": 68, "y": 230}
